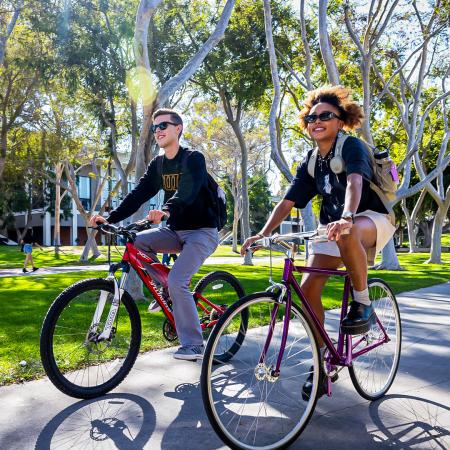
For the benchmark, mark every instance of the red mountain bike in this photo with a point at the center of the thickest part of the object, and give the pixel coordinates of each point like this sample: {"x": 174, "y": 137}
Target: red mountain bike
{"x": 91, "y": 334}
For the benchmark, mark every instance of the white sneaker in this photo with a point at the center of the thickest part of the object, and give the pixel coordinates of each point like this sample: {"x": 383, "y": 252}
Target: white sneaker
{"x": 154, "y": 307}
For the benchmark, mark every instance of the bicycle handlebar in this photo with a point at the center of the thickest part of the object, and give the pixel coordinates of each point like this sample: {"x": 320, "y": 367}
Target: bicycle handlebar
{"x": 128, "y": 231}
{"x": 283, "y": 239}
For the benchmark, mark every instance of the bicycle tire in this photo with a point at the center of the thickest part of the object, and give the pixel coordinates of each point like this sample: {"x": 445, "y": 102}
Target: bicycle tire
{"x": 222, "y": 287}
{"x": 230, "y": 390}
{"x": 77, "y": 303}
{"x": 373, "y": 373}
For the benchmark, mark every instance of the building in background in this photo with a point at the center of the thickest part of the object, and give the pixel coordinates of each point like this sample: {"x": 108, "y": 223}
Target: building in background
{"x": 73, "y": 230}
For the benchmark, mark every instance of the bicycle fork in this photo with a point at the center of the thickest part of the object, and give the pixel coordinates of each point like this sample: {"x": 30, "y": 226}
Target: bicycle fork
{"x": 118, "y": 292}
{"x": 262, "y": 371}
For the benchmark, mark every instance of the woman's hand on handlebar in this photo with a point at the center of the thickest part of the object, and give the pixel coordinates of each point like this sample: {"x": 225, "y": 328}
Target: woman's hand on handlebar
{"x": 155, "y": 216}
{"x": 96, "y": 220}
{"x": 248, "y": 242}
{"x": 337, "y": 228}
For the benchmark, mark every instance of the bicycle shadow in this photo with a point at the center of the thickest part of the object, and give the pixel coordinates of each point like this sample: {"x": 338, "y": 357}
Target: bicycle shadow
{"x": 191, "y": 428}
{"x": 123, "y": 421}
{"x": 406, "y": 421}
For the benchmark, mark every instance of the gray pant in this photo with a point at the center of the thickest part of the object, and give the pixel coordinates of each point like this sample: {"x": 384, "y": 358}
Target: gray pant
{"x": 194, "y": 247}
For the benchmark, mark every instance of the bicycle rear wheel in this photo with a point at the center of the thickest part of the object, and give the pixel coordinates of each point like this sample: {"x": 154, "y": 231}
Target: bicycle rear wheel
{"x": 223, "y": 289}
{"x": 248, "y": 405}
{"x": 75, "y": 363}
{"x": 373, "y": 373}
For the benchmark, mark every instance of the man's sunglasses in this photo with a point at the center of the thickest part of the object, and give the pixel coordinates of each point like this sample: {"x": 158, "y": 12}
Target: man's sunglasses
{"x": 324, "y": 117}
{"x": 162, "y": 126}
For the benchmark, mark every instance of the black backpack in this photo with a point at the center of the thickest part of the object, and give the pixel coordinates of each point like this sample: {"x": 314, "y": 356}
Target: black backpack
{"x": 216, "y": 195}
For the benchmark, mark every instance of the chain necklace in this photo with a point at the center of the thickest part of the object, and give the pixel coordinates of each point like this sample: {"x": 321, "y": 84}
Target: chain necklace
{"x": 323, "y": 160}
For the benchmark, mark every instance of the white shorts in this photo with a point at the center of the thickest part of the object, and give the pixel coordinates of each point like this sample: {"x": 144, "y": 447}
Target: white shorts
{"x": 385, "y": 231}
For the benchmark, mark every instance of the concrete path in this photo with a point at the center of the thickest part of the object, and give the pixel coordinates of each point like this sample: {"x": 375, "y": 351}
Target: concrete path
{"x": 159, "y": 405}
{"x": 260, "y": 260}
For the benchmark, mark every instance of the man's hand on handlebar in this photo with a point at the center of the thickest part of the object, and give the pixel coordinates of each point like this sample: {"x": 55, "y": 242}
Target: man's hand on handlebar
{"x": 97, "y": 220}
{"x": 155, "y": 216}
{"x": 248, "y": 242}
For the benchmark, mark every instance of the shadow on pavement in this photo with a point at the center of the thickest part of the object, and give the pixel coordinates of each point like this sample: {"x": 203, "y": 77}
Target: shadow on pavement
{"x": 404, "y": 421}
{"x": 190, "y": 430}
{"x": 123, "y": 421}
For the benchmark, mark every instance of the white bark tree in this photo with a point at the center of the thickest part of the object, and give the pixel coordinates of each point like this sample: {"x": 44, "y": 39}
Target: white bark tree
{"x": 8, "y": 20}
{"x": 274, "y": 121}
{"x": 325, "y": 44}
{"x": 216, "y": 138}
{"x": 144, "y": 15}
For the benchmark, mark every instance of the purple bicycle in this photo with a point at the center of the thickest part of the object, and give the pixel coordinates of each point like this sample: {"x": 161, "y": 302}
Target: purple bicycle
{"x": 254, "y": 399}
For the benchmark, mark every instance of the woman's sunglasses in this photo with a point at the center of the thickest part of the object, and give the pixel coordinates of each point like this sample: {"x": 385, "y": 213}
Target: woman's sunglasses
{"x": 162, "y": 126}
{"x": 324, "y": 117}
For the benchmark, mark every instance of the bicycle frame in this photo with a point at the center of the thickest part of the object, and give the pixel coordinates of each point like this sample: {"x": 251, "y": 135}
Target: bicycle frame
{"x": 136, "y": 259}
{"x": 337, "y": 356}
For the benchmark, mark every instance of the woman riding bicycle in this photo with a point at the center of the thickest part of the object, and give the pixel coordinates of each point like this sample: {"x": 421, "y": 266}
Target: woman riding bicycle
{"x": 352, "y": 215}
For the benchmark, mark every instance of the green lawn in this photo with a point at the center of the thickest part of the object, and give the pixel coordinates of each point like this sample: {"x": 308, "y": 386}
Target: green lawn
{"x": 12, "y": 257}
{"x": 25, "y": 300}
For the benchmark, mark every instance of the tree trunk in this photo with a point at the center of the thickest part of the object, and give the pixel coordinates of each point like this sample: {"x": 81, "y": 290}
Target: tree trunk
{"x": 235, "y": 225}
{"x": 436, "y": 236}
{"x": 57, "y": 229}
{"x": 390, "y": 259}
{"x": 245, "y": 214}
{"x": 91, "y": 244}
{"x": 5, "y": 35}
{"x": 325, "y": 44}
{"x": 309, "y": 221}
{"x": 3, "y": 145}
{"x": 411, "y": 221}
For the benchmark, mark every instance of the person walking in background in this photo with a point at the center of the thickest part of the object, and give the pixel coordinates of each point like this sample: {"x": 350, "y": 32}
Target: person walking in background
{"x": 167, "y": 257}
{"x": 27, "y": 247}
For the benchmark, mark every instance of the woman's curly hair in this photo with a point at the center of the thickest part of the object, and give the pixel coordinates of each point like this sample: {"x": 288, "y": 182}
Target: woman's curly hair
{"x": 340, "y": 97}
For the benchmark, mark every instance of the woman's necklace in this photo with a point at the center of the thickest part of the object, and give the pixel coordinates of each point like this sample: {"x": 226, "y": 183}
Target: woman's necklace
{"x": 323, "y": 160}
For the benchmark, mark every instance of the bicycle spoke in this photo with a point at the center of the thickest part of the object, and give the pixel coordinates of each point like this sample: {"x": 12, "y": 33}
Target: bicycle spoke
{"x": 373, "y": 372}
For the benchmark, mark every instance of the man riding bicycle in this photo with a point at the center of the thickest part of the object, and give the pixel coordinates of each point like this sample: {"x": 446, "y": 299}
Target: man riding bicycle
{"x": 191, "y": 228}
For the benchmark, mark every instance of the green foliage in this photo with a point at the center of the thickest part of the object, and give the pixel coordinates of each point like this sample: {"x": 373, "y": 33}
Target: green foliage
{"x": 260, "y": 204}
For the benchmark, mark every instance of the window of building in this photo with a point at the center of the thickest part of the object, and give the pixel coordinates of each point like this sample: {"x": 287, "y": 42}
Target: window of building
{"x": 84, "y": 191}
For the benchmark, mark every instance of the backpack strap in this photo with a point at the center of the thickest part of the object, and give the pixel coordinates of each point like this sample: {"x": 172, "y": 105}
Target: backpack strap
{"x": 340, "y": 141}
{"x": 312, "y": 162}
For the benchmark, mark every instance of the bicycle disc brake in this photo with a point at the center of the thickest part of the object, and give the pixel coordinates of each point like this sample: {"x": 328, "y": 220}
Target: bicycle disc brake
{"x": 169, "y": 332}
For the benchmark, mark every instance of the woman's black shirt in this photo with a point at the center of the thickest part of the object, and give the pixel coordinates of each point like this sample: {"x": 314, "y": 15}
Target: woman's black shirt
{"x": 331, "y": 187}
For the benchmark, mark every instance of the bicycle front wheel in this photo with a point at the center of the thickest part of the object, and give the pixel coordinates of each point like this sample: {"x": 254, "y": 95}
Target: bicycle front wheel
{"x": 76, "y": 362}
{"x": 373, "y": 372}
{"x": 248, "y": 404}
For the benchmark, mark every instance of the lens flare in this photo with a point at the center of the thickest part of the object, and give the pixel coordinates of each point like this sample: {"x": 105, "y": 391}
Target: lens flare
{"x": 141, "y": 86}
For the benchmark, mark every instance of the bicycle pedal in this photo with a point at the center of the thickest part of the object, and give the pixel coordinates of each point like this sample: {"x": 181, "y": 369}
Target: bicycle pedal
{"x": 334, "y": 377}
